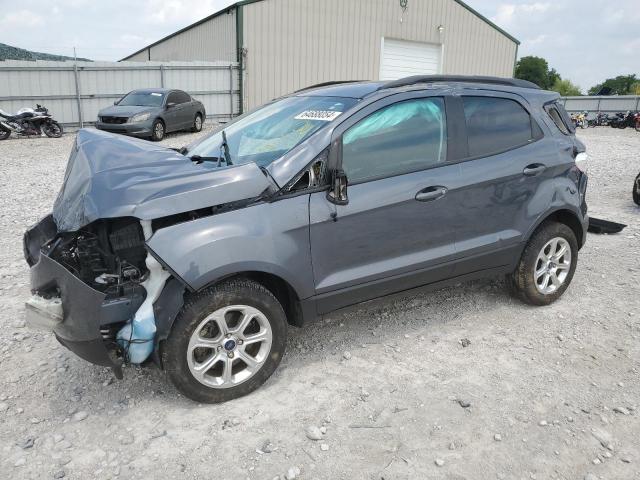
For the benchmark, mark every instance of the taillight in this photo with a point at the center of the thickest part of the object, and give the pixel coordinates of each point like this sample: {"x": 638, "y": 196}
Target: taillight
{"x": 581, "y": 161}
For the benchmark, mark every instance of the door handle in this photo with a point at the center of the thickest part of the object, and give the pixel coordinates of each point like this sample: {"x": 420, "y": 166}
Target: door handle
{"x": 431, "y": 193}
{"x": 534, "y": 169}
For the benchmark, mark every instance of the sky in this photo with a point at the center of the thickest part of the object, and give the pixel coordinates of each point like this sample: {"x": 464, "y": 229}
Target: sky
{"x": 586, "y": 41}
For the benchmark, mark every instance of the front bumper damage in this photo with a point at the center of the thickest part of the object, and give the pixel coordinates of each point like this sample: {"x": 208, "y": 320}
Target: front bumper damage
{"x": 82, "y": 313}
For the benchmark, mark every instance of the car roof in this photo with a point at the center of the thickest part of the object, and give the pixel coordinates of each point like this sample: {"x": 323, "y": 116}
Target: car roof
{"x": 363, "y": 89}
{"x": 152, "y": 90}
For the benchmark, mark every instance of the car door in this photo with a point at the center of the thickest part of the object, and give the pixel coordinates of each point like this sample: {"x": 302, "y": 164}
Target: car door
{"x": 186, "y": 113}
{"x": 503, "y": 177}
{"x": 171, "y": 115}
{"x": 394, "y": 233}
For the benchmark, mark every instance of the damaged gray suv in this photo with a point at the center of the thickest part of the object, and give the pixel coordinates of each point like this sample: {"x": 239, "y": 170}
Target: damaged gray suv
{"x": 200, "y": 259}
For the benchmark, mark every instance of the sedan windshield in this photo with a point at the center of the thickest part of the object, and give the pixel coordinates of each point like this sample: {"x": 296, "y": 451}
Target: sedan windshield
{"x": 142, "y": 99}
{"x": 268, "y": 133}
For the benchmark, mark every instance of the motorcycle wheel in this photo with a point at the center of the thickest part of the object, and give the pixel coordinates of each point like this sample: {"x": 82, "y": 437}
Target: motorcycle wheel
{"x": 52, "y": 129}
{"x": 4, "y": 134}
{"x": 637, "y": 127}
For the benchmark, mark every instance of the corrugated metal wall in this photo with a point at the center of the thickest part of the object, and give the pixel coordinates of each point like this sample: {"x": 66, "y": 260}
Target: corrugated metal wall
{"x": 53, "y": 84}
{"x": 291, "y": 44}
{"x": 609, "y": 104}
{"x": 212, "y": 40}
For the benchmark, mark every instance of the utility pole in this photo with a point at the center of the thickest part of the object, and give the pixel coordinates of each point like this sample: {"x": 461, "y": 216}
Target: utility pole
{"x": 75, "y": 75}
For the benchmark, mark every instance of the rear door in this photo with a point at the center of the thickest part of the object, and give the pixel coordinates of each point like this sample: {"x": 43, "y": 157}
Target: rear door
{"x": 504, "y": 175}
{"x": 186, "y": 113}
{"x": 395, "y": 232}
{"x": 172, "y": 112}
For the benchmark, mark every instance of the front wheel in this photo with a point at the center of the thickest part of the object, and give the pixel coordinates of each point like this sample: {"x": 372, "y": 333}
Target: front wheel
{"x": 547, "y": 265}
{"x": 638, "y": 127}
{"x": 225, "y": 342}
{"x": 52, "y": 129}
{"x": 157, "y": 131}
{"x": 4, "y": 133}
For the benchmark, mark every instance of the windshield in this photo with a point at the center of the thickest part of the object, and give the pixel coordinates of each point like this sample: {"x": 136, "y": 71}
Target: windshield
{"x": 142, "y": 99}
{"x": 268, "y": 133}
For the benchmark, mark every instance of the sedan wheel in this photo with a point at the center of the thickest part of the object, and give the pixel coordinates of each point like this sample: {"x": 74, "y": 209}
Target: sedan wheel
{"x": 197, "y": 123}
{"x": 157, "y": 131}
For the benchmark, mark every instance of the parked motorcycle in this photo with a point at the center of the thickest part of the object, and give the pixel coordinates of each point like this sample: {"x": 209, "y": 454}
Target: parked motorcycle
{"x": 29, "y": 121}
{"x": 579, "y": 119}
{"x": 624, "y": 120}
{"x": 600, "y": 120}
{"x": 636, "y": 190}
{"x": 637, "y": 119}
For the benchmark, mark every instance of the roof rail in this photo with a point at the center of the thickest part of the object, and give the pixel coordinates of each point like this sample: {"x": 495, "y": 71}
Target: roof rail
{"x": 415, "y": 79}
{"x": 327, "y": 84}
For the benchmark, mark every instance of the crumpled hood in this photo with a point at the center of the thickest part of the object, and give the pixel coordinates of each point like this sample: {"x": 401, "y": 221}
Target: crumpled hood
{"x": 112, "y": 176}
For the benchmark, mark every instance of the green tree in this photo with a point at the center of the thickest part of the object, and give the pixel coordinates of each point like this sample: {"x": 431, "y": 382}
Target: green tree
{"x": 566, "y": 88}
{"x": 620, "y": 85}
{"x": 534, "y": 69}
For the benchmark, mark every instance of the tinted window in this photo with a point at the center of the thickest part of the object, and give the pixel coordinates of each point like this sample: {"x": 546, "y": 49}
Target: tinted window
{"x": 495, "y": 125}
{"x": 182, "y": 97}
{"x": 403, "y": 137}
{"x": 173, "y": 98}
{"x": 142, "y": 99}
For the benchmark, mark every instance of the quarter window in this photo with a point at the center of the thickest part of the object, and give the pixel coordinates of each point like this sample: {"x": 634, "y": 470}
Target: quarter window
{"x": 495, "y": 125}
{"x": 401, "y": 138}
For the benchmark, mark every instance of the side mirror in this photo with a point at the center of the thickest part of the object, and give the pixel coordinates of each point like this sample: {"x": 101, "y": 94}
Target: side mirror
{"x": 337, "y": 194}
{"x": 116, "y": 102}
{"x": 171, "y": 105}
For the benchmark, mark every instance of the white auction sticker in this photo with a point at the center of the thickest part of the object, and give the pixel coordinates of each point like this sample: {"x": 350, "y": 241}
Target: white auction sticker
{"x": 156, "y": 94}
{"x": 322, "y": 115}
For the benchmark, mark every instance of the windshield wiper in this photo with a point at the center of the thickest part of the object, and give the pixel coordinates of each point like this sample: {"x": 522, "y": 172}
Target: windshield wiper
{"x": 224, "y": 147}
{"x": 200, "y": 159}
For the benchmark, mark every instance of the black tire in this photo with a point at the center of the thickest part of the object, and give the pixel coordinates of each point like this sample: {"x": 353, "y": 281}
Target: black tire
{"x": 197, "y": 123}
{"x": 4, "y": 134}
{"x": 523, "y": 282}
{"x": 636, "y": 190}
{"x": 195, "y": 311}
{"x": 52, "y": 129}
{"x": 637, "y": 127}
{"x": 157, "y": 130}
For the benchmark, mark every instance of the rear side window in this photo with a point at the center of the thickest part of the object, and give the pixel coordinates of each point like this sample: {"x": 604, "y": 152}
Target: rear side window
{"x": 495, "y": 125}
{"x": 182, "y": 97}
{"x": 560, "y": 117}
{"x": 404, "y": 137}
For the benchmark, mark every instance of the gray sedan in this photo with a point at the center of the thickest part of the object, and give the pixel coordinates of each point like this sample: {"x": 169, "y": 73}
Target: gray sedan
{"x": 152, "y": 112}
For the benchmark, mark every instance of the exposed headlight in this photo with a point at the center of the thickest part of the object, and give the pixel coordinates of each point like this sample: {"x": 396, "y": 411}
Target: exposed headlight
{"x": 140, "y": 117}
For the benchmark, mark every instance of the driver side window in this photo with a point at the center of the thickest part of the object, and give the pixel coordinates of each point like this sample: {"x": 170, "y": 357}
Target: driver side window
{"x": 404, "y": 137}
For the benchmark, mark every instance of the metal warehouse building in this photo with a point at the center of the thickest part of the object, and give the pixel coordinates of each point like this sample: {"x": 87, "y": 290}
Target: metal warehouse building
{"x": 285, "y": 45}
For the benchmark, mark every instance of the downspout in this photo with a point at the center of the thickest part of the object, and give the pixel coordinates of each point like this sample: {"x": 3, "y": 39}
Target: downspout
{"x": 515, "y": 60}
{"x": 240, "y": 56}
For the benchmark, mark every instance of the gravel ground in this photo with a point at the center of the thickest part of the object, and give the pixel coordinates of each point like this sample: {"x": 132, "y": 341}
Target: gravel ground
{"x": 531, "y": 393}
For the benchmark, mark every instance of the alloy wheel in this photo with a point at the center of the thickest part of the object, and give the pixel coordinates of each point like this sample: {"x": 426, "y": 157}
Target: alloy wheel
{"x": 552, "y": 265}
{"x": 229, "y": 346}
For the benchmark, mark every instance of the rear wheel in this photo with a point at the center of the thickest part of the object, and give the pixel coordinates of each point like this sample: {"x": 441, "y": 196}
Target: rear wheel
{"x": 636, "y": 190}
{"x": 157, "y": 131}
{"x": 197, "y": 123}
{"x": 52, "y": 129}
{"x": 547, "y": 265}
{"x": 226, "y": 341}
{"x": 4, "y": 133}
